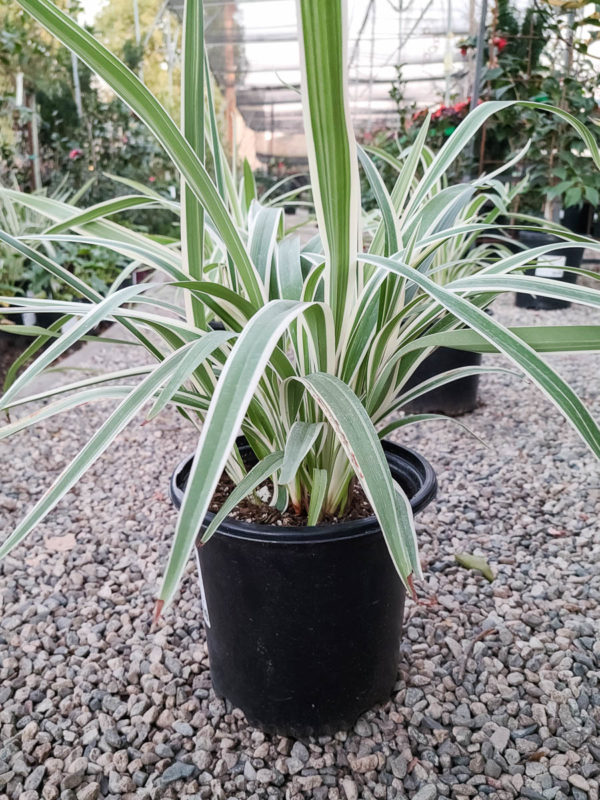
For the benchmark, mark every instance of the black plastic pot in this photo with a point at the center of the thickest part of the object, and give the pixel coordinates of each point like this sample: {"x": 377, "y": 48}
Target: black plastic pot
{"x": 303, "y": 625}
{"x": 216, "y": 325}
{"x": 29, "y": 318}
{"x": 454, "y": 398}
{"x": 45, "y": 319}
{"x": 571, "y": 256}
{"x": 579, "y": 219}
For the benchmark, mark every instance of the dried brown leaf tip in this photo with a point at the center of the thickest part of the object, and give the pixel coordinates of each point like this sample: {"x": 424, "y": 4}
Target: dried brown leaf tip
{"x": 411, "y": 586}
{"x": 157, "y": 612}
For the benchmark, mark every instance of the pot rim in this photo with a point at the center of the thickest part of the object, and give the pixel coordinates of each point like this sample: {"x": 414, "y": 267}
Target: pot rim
{"x": 416, "y": 469}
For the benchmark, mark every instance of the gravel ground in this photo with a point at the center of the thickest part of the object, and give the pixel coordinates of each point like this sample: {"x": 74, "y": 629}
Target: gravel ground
{"x": 497, "y": 693}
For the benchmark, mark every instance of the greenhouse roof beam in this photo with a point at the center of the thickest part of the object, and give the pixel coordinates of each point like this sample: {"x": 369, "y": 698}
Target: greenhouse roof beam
{"x": 291, "y": 36}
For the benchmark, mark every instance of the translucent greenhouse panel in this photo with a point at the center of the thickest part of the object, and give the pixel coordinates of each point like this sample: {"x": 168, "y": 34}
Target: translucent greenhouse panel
{"x": 253, "y": 47}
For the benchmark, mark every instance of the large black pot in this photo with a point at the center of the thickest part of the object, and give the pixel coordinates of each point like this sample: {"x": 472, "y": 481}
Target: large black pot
{"x": 303, "y": 625}
{"x": 29, "y": 318}
{"x": 45, "y": 319}
{"x": 454, "y": 398}
{"x": 566, "y": 256}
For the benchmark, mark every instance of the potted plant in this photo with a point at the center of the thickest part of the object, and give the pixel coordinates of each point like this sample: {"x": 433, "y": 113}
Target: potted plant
{"x": 318, "y": 344}
{"x": 559, "y": 181}
{"x": 463, "y": 255}
{"x": 541, "y": 54}
{"x": 103, "y": 269}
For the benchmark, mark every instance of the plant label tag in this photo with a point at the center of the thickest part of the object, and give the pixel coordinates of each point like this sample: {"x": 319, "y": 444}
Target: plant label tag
{"x": 202, "y": 592}
{"x": 554, "y": 271}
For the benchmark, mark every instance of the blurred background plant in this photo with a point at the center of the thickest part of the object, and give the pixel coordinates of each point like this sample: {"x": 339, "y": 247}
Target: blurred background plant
{"x": 63, "y": 135}
{"x": 60, "y": 123}
{"x": 541, "y": 53}
{"x": 20, "y": 276}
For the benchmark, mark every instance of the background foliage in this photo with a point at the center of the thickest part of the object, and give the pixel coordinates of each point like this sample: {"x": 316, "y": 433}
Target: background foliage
{"x": 540, "y": 54}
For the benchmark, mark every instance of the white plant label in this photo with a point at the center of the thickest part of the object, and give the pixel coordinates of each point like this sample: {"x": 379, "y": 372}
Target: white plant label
{"x": 555, "y": 271}
{"x": 202, "y": 592}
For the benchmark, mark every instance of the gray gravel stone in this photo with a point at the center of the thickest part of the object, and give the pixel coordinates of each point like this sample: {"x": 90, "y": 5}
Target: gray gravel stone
{"x": 426, "y": 793}
{"x": 500, "y": 739}
{"x": 91, "y": 791}
{"x": 293, "y": 765}
{"x": 184, "y": 728}
{"x": 399, "y": 766}
{"x": 492, "y": 769}
{"x": 579, "y": 782}
{"x": 35, "y": 778}
{"x": 300, "y": 751}
{"x": 177, "y": 771}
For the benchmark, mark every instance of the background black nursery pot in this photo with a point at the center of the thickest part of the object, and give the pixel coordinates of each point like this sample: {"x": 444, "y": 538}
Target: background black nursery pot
{"x": 453, "y": 398}
{"x": 551, "y": 267}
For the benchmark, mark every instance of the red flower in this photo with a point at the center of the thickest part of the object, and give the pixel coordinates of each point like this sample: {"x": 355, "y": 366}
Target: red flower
{"x": 151, "y": 178}
{"x": 463, "y": 50}
{"x": 460, "y": 107}
{"x": 75, "y": 153}
{"x": 499, "y": 43}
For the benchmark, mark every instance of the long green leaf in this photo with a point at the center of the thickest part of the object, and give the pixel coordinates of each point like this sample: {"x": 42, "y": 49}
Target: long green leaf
{"x": 384, "y": 201}
{"x": 192, "y": 123}
{"x": 249, "y": 185}
{"x": 545, "y": 287}
{"x": 101, "y": 210}
{"x": 43, "y": 336}
{"x": 116, "y": 237}
{"x": 469, "y": 127}
{"x": 318, "y": 494}
{"x": 358, "y": 437}
{"x": 198, "y": 353}
{"x": 301, "y": 438}
{"x": 64, "y": 404}
{"x": 543, "y": 339}
{"x": 553, "y": 386}
{"x": 130, "y": 249}
{"x": 59, "y": 272}
{"x": 234, "y": 390}
{"x": 94, "y": 448}
{"x": 262, "y": 236}
{"x": 403, "y": 184}
{"x": 93, "y": 380}
{"x": 330, "y": 144}
{"x": 413, "y": 419}
{"x": 443, "y": 378}
{"x": 289, "y": 269}
{"x": 97, "y": 313}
